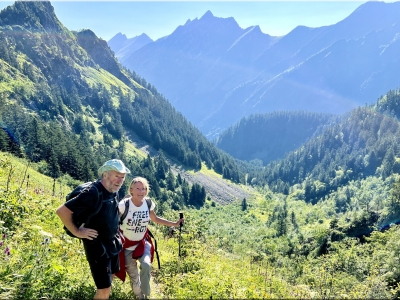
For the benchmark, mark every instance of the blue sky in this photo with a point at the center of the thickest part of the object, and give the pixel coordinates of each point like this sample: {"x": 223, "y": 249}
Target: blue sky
{"x": 160, "y": 18}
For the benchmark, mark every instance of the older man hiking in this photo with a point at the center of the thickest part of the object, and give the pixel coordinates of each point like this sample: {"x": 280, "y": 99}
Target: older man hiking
{"x": 100, "y": 238}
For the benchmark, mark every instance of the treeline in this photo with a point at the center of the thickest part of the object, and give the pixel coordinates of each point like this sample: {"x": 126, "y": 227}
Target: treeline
{"x": 58, "y": 152}
{"x": 365, "y": 143}
{"x": 269, "y": 136}
{"x": 61, "y": 150}
{"x": 48, "y": 56}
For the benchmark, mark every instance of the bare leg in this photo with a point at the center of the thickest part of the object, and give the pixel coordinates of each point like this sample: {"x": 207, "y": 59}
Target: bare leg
{"x": 102, "y": 293}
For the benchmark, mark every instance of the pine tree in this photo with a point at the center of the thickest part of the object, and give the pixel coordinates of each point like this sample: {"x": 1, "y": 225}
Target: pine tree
{"x": 185, "y": 191}
{"x": 170, "y": 181}
{"x": 244, "y": 204}
{"x": 35, "y": 140}
{"x": 162, "y": 165}
{"x": 178, "y": 180}
{"x": 54, "y": 168}
{"x": 3, "y": 140}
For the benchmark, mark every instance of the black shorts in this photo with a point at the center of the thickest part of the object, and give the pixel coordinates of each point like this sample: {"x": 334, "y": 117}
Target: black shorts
{"x": 102, "y": 269}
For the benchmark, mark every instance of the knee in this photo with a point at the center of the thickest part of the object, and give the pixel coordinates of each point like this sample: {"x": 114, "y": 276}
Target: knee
{"x": 145, "y": 266}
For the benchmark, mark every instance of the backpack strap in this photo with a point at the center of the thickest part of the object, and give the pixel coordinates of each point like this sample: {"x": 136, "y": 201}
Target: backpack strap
{"x": 148, "y": 201}
{"x": 99, "y": 202}
{"x": 155, "y": 246}
{"x": 125, "y": 213}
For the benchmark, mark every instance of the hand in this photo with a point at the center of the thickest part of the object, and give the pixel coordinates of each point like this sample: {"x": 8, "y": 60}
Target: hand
{"x": 180, "y": 222}
{"x": 87, "y": 233}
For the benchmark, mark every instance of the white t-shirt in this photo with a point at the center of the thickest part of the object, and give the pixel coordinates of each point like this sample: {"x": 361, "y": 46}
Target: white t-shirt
{"x": 136, "y": 221}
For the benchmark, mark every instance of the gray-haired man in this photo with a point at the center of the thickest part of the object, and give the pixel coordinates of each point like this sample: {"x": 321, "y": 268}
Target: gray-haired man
{"x": 100, "y": 239}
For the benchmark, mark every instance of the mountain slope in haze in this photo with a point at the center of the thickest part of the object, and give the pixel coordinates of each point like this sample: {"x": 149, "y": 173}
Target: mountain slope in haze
{"x": 269, "y": 137}
{"x": 344, "y": 75}
{"x": 124, "y": 47}
{"x": 196, "y": 58}
{"x": 209, "y": 71}
{"x": 73, "y": 79}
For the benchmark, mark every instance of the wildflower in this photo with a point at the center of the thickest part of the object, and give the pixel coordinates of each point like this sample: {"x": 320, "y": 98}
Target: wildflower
{"x": 44, "y": 233}
{"x": 4, "y": 236}
{"x": 7, "y": 251}
{"x": 46, "y": 241}
{"x": 1, "y": 243}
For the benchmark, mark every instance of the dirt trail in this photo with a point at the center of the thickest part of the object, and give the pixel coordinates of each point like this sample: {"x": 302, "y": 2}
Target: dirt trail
{"x": 219, "y": 190}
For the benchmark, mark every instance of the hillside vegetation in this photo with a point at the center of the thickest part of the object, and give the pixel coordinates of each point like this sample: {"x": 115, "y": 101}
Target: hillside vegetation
{"x": 364, "y": 143}
{"x": 268, "y": 246}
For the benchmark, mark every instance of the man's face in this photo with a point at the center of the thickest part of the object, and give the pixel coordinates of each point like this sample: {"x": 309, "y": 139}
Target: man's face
{"x": 113, "y": 181}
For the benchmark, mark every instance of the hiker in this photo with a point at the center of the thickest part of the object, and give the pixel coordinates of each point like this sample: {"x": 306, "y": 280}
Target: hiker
{"x": 137, "y": 244}
{"x": 100, "y": 239}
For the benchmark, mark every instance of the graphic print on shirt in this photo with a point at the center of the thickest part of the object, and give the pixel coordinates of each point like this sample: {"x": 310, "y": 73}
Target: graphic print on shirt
{"x": 139, "y": 221}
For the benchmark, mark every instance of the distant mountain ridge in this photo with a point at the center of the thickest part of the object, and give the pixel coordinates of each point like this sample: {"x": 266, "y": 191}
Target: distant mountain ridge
{"x": 124, "y": 47}
{"x": 191, "y": 53}
{"x": 215, "y": 72}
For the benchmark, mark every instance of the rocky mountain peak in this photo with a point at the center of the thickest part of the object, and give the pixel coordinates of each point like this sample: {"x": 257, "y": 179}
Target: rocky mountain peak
{"x": 32, "y": 15}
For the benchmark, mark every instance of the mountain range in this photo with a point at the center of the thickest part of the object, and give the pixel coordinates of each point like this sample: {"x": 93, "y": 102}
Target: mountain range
{"x": 124, "y": 47}
{"x": 65, "y": 89}
{"x": 216, "y": 73}
{"x": 55, "y": 80}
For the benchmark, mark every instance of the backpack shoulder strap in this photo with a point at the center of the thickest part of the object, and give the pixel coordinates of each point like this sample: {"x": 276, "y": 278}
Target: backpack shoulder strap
{"x": 148, "y": 201}
{"x": 124, "y": 214}
{"x": 99, "y": 202}
{"x": 155, "y": 246}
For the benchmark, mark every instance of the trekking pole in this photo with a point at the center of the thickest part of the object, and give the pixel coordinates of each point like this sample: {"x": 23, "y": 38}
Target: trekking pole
{"x": 180, "y": 232}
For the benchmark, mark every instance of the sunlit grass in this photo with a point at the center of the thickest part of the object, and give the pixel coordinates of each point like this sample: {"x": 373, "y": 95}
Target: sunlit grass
{"x": 133, "y": 151}
{"x": 209, "y": 172}
{"x": 226, "y": 252}
{"x": 12, "y": 80}
{"x": 94, "y": 77}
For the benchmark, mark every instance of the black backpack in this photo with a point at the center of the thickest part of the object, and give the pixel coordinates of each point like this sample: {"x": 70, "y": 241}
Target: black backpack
{"x": 123, "y": 216}
{"x": 79, "y": 219}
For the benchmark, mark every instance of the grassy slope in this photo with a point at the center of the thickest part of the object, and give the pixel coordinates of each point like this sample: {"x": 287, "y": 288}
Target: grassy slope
{"x": 53, "y": 265}
{"x": 220, "y": 248}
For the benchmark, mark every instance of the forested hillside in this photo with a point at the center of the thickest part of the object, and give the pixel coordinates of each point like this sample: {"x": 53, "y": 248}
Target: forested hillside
{"x": 69, "y": 84}
{"x": 268, "y": 137}
{"x": 365, "y": 143}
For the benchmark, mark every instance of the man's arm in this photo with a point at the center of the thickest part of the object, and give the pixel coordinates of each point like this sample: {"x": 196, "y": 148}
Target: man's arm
{"x": 65, "y": 214}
